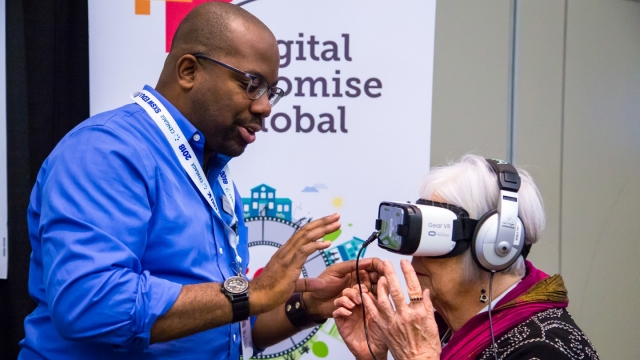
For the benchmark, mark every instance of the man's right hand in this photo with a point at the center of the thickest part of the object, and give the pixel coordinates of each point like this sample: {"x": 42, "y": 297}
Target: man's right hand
{"x": 281, "y": 276}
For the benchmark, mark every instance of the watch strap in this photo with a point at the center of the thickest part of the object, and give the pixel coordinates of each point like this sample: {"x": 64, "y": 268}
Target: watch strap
{"x": 239, "y": 307}
{"x": 297, "y": 313}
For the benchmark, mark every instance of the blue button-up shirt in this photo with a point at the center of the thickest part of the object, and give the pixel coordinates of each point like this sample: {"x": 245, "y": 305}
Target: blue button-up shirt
{"x": 117, "y": 227}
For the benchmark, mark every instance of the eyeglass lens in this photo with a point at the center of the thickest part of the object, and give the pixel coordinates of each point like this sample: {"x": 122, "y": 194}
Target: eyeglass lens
{"x": 258, "y": 86}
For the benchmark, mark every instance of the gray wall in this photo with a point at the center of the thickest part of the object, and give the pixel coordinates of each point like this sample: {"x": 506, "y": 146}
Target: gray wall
{"x": 554, "y": 86}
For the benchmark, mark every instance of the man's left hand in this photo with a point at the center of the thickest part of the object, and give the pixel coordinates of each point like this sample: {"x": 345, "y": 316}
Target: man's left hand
{"x": 336, "y": 278}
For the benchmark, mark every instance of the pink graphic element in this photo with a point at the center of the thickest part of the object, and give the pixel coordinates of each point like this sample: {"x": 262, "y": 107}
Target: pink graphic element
{"x": 176, "y": 11}
{"x": 258, "y": 272}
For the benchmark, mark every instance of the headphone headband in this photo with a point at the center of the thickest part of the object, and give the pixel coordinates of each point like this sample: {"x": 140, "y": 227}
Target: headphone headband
{"x": 508, "y": 178}
{"x": 499, "y": 237}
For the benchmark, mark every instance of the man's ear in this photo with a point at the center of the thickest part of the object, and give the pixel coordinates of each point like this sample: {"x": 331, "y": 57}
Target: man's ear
{"x": 186, "y": 71}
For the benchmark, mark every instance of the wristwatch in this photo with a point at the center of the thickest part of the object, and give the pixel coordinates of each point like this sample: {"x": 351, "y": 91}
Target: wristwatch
{"x": 236, "y": 289}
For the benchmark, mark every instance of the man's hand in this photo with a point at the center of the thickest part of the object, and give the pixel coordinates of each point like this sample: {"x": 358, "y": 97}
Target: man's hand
{"x": 336, "y": 278}
{"x": 281, "y": 276}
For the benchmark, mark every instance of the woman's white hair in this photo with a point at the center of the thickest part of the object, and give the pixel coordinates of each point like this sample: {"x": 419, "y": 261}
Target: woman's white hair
{"x": 472, "y": 185}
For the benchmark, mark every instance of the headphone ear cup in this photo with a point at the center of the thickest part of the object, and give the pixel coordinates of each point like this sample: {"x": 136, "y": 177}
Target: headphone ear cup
{"x": 477, "y": 252}
{"x": 483, "y": 244}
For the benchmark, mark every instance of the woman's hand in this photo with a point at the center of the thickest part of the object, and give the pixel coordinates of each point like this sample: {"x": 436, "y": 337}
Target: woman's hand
{"x": 348, "y": 318}
{"x": 410, "y": 331}
{"x": 337, "y": 277}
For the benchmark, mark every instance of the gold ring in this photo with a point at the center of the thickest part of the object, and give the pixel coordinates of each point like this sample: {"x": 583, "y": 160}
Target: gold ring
{"x": 415, "y": 299}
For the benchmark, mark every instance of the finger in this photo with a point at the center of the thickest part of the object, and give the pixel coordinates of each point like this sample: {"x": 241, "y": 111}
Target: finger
{"x": 364, "y": 279}
{"x": 364, "y": 289}
{"x": 300, "y": 256}
{"x": 426, "y": 300}
{"x": 341, "y": 313}
{"x": 395, "y": 290}
{"x": 318, "y": 228}
{"x": 308, "y": 234}
{"x": 371, "y": 308}
{"x": 413, "y": 285}
{"x": 309, "y": 284}
{"x": 378, "y": 265}
{"x": 353, "y": 294}
{"x": 306, "y": 237}
{"x": 373, "y": 276}
{"x": 342, "y": 269}
{"x": 432, "y": 326}
{"x": 294, "y": 249}
{"x": 375, "y": 301}
{"x": 357, "y": 289}
{"x": 368, "y": 264}
{"x": 322, "y": 221}
{"x": 383, "y": 302}
{"x": 345, "y": 302}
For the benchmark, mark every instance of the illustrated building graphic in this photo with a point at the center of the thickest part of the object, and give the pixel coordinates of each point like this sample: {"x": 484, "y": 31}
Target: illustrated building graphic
{"x": 263, "y": 202}
{"x": 345, "y": 251}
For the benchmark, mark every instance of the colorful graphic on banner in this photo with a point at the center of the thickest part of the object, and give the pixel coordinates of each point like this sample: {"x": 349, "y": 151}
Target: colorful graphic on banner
{"x": 271, "y": 221}
{"x": 353, "y": 129}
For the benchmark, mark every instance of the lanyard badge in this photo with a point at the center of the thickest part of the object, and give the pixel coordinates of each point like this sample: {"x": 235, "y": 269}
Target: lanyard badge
{"x": 190, "y": 164}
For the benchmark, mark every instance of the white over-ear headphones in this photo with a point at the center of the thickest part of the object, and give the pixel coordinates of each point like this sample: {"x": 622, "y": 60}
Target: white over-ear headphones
{"x": 499, "y": 237}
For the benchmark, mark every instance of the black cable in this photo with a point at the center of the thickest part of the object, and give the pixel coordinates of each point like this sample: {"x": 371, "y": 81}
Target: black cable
{"x": 493, "y": 340}
{"x": 371, "y": 238}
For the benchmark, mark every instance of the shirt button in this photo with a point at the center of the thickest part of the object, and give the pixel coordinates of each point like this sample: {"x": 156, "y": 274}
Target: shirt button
{"x": 220, "y": 251}
{"x": 196, "y": 137}
{"x": 234, "y": 337}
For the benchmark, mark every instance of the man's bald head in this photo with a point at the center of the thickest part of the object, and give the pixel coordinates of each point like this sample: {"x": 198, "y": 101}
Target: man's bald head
{"x": 207, "y": 29}
{"x": 212, "y": 97}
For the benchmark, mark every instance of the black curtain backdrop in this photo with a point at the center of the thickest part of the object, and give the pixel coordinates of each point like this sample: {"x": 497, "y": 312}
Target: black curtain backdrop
{"x": 47, "y": 95}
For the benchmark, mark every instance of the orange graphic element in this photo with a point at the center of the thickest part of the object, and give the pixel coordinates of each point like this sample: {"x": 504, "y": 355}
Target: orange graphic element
{"x": 143, "y": 7}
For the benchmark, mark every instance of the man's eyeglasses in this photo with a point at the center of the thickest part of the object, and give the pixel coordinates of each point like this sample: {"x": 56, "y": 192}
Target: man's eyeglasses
{"x": 257, "y": 85}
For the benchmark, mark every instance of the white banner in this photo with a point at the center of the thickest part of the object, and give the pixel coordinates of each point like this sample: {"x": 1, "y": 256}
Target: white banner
{"x": 4, "y": 216}
{"x": 353, "y": 130}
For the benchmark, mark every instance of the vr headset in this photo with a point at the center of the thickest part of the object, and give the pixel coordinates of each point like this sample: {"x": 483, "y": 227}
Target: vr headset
{"x": 439, "y": 230}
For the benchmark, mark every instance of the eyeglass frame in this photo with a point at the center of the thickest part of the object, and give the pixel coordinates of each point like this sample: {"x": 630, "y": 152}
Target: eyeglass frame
{"x": 268, "y": 89}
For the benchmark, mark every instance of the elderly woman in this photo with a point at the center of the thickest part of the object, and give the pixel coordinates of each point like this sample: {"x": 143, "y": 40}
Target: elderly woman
{"x": 526, "y": 317}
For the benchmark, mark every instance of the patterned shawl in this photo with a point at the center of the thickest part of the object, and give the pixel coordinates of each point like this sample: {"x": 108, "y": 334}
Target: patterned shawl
{"x": 535, "y": 293}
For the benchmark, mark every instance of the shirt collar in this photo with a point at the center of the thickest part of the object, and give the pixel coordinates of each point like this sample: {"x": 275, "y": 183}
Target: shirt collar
{"x": 185, "y": 126}
{"x": 218, "y": 161}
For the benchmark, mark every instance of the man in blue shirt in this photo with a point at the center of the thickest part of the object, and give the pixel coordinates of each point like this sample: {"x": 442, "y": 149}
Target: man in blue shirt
{"x": 130, "y": 253}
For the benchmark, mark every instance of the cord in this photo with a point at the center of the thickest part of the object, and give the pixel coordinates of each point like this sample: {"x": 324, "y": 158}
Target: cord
{"x": 493, "y": 339}
{"x": 371, "y": 239}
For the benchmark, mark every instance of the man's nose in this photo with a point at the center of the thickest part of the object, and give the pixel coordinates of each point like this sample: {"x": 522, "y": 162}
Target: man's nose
{"x": 261, "y": 106}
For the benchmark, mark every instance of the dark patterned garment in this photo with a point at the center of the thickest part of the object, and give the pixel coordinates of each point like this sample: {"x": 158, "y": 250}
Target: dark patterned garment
{"x": 551, "y": 334}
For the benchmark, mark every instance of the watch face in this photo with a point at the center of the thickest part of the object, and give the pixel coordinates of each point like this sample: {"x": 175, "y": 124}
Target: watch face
{"x": 236, "y": 285}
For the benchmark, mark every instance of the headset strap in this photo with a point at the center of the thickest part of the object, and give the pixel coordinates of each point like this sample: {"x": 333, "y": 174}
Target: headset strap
{"x": 525, "y": 251}
{"x": 463, "y": 229}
